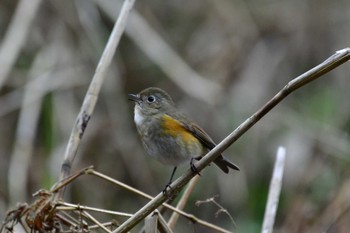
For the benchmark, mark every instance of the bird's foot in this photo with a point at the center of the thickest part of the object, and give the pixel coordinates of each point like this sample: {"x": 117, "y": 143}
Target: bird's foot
{"x": 193, "y": 167}
{"x": 166, "y": 189}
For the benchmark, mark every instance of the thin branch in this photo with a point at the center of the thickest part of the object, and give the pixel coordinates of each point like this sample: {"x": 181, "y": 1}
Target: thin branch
{"x": 331, "y": 63}
{"x": 127, "y": 187}
{"x": 89, "y": 216}
{"x": 221, "y": 208}
{"x": 69, "y": 206}
{"x": 62, "y": 183}
{"x": 182, "y": 202}
{"x": 190, "y": 217}
{"x": 151, "y": 223}
{"x": 92, "y": 93}
{"x": 162, "y": 225}
{"x": 68, "y": 219}
{"x": 274, "y": 191}
{"x": 106, "y": 224}
{"x": 156, "y": 223}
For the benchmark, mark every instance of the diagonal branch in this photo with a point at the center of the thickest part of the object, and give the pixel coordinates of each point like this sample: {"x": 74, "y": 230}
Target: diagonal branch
{"x": 331, "y": 63}
{"x": 92, "y": 93}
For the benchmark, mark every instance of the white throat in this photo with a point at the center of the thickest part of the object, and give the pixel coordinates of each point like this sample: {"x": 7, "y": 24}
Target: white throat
{"x": 138, "y": 117}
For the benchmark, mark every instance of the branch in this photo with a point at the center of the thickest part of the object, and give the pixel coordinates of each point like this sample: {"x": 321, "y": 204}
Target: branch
{"x": 182, "y": 202}
{"x": 92, "y": 93}
{"x": 331, "y": 63}
{"x": 190, "y": 217}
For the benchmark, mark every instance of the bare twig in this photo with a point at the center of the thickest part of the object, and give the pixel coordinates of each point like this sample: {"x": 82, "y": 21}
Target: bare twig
{"x": 68, "y": 206}
{"x": 62, "y": 183}
{"x": 331, "y": 63}
{"x": 274, "y": 191}
{"x": 182, "y": 202}
{"x": 221, "y": 208}
{"x": 155, "y": 222}
{"x": 190, "y": 217}
{"x": 92, "y": 218}
{"x": 92, "y": 93}
{"x": 151, "y": 223}
{"x": 162, "y": 225}
{"x": 15, "y": 36}
{"x": 106, "y": 224}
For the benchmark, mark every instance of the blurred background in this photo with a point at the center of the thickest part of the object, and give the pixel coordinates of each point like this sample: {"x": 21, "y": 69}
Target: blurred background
{"x": 220, "y": 60}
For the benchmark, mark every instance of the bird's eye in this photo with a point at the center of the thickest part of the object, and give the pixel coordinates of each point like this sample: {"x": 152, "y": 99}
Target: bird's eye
{"x": 151, "y": 99}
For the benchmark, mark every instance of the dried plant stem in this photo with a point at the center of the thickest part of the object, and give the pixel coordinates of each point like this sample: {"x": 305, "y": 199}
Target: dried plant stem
{"x": 190, "y": 217}
{"x": 92, "y": 93}
{"x": 89, "y": 216}
{"x": 274, "y": 191}
{"x": 163, "y": 226}
{"x": 331, "y": 63}
{"x": 182, "y": 202}
{"x": 62, "y": 183}
{"x": 221, "y": 208}
{"x": 68, "y": 206}
{"x": 155, "y": 222}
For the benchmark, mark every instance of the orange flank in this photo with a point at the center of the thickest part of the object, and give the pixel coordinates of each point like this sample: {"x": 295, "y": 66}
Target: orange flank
{"x": 174, "y": 128}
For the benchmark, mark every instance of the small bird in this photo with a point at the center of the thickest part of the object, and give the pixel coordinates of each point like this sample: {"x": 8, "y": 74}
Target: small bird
{"x": 169, "y": 136}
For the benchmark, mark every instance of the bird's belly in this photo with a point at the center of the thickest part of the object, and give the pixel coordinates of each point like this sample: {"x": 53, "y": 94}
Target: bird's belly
{"x": 173, "y": 149}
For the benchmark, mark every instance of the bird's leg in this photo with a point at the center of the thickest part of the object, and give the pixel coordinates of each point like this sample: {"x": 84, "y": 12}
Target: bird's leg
{"x": 171, "y": 180}
{"x": 193, "y": 167}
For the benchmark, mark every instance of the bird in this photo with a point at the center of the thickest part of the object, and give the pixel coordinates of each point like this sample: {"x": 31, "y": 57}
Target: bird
{"x": 168, "y": 135}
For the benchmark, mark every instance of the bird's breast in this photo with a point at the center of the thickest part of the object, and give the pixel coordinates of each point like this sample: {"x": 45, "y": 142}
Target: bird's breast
{"x": 138, "y": 116}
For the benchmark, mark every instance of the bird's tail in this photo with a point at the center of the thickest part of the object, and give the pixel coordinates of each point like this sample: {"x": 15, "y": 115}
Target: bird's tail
{"x": 224, "y": 164}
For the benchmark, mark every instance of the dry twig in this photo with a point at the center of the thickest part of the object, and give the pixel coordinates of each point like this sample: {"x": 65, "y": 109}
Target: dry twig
{"x": 190, "y": 217}
{"x": 183, "y": 200}
{"x": 92, "y": 93}
{"x": 221, "y": 208}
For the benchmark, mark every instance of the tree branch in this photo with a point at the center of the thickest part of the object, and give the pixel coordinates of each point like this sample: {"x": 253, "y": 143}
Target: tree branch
{"x": 92, "y": 93}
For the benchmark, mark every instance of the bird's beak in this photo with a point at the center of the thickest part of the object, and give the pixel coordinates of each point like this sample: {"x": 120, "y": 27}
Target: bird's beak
{"x": 133, "y": 97}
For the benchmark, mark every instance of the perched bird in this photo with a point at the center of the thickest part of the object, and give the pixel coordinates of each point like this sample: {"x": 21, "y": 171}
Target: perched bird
{"x": 167, "y": 135}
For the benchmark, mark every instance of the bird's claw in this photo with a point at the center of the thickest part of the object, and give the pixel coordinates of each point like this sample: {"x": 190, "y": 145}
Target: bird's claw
{"x": 165, "y": 190}
{"x": 194, "y": 168}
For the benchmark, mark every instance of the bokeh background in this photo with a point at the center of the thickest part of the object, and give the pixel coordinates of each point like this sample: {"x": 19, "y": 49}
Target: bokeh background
{"x": 220, "y": 60}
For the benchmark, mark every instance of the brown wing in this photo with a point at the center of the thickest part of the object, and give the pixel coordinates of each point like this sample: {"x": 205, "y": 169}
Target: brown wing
{"x": 223, "y": 163}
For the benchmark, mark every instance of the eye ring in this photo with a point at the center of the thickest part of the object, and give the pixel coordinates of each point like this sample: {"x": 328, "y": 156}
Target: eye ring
{"x": 151, "y": 99}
